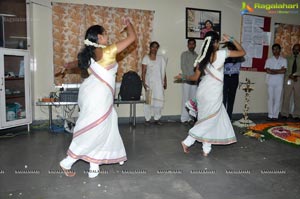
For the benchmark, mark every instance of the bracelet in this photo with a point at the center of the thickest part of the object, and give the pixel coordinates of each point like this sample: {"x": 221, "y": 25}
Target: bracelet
{"x": 231, "y": 38}
{"x": 182, "y": 77}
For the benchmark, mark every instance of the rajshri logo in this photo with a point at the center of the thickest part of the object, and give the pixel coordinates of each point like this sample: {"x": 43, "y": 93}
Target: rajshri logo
{"x": 272, "y": 8}
{"x": 246, "y": 8}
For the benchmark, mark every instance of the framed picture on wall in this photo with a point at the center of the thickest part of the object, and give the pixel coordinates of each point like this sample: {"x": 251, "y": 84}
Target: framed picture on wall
{"x": 200, "y": 21}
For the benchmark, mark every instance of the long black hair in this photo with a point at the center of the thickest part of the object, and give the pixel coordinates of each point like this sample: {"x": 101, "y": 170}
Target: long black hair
{"x": 214, "y": 38}
{"x": 88, "y": 52}
{"x": 231, "y": 46}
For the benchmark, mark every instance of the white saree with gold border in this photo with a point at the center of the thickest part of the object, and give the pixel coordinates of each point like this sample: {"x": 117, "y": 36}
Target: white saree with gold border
{"x": 213, "y": 125}
{"x": 96, "y": 137}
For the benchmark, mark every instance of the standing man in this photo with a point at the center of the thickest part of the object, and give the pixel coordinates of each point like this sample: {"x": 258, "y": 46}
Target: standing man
{"x": 232, "y": 67}
{"x": 292, "y": 85}
{"x": 189, "y": 88}
{"x": 275, "y": 67}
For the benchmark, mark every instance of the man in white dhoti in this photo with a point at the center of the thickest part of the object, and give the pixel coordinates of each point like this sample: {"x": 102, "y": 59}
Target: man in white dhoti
{"x": 154, "y": 80}
{"x": 96, "y": 137}
{"x": 213, "y": 125}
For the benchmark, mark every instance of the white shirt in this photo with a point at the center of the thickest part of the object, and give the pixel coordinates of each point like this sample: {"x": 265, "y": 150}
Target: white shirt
{"x": 273, "y": 63}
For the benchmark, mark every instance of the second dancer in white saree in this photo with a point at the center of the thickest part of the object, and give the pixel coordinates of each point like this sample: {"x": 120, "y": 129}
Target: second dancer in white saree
{"x": 213, "y": 125}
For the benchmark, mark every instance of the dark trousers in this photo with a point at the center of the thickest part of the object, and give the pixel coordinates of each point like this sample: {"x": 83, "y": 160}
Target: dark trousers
{"x": 231, "y": 83}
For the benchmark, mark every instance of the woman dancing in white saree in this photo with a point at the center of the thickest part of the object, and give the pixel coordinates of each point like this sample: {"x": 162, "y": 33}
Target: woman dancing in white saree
{"x": 96, "y": 137}
{"x": 213, "y": 125}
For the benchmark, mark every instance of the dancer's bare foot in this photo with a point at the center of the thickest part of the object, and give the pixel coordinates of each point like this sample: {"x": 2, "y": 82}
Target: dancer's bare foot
{"x": 121, "y": 163}
{"x": 68, "y": 172}
{"x": 185, "y": 148}
{"x": 204, "y": 154}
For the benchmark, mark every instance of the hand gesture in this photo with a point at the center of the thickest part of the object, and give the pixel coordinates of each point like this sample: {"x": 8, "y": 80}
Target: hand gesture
{"x": 146, "y": 87}
{"x": 226, "y": 38}
{"x": 126, "y": 21}
{"x": 178, "y": 77}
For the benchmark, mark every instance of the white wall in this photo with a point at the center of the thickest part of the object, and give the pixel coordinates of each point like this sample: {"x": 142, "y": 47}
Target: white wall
{"x": 42, "y": 55}
{"x": 169, "y": 31}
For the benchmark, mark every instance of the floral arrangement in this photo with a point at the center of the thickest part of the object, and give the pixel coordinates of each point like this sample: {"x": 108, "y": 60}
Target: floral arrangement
{"x": 89, "y": 43}
{"x": 288, "y": 132}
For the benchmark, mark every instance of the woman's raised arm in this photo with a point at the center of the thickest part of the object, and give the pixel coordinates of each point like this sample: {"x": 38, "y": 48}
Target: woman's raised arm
{"x": 131, "y": 37}
{"x": 240, "y": 52}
